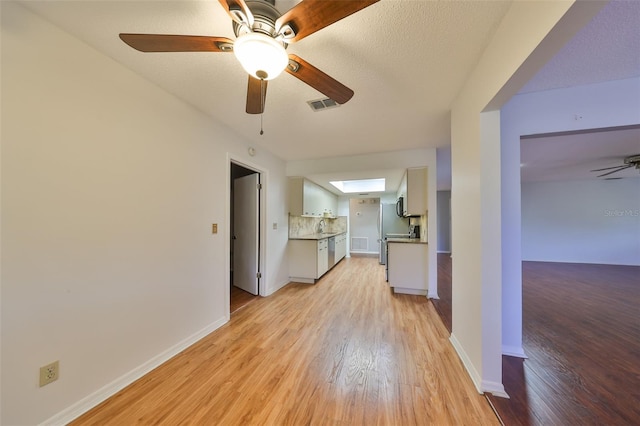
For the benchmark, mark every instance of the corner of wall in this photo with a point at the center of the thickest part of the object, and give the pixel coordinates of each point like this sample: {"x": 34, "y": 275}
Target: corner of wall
{"x": 466, "y": 361}
{"x": 85, "y": 404}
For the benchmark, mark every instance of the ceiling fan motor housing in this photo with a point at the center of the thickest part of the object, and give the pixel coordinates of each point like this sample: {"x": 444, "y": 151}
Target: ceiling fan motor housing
{"x": 634, "y": 160}
{"x": 264, "y": 19}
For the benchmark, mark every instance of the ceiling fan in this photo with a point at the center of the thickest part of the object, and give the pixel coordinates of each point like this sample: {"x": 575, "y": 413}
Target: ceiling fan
{"x": 262, "y": 35}
{"x": 628, "y": 162}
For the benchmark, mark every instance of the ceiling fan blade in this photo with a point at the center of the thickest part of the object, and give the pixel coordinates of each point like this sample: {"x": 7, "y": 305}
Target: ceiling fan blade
{"x": 309, "y": 16}
{"x": 177, "y": 43}
{"x": 233, "y": 6}
{"x": 616, "y": 171}
{"x": 256, "y": 95}
{"x": 606, "y": 168}
{"x": 320, "y": 81}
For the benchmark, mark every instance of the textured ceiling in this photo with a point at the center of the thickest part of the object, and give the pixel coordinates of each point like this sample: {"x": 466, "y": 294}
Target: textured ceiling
{"x": 405, "y": 60}
{"x": 608, "y": 48}
{"x": 580, "y": 153}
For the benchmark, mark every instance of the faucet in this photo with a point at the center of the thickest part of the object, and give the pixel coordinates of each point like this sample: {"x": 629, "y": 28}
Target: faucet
{"x": 321, "y": 225}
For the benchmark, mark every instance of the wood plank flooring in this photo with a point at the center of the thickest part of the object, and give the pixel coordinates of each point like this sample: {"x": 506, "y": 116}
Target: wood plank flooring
{"x": 344, "y": 351}
{"x": 239, "y": 299}
{"x": 443, "y": 304}
{"x": 581, "y": 332}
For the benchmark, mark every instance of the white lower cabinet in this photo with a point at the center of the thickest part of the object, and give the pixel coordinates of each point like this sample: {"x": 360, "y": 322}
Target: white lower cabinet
{"x": 408, "y": 267}
{"x": 309, "y": 259}
{"x": 341, "y": 247}
{"x": 323, "y": 257}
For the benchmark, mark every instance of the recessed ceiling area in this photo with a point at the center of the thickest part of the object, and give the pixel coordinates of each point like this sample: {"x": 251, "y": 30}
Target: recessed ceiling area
{"x": 360, "y": 185}
{"x": 573, "y": 155}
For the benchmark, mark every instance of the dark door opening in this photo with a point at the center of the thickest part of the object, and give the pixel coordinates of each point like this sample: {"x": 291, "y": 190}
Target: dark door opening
{"x": 244, "y": 267}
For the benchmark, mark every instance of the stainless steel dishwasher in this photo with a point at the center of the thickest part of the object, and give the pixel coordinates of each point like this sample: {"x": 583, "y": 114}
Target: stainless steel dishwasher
{"x": 332, "y": 251}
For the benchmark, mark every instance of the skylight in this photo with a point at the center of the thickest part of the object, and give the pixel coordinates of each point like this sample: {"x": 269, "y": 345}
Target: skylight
{"x": 362, "y": 185}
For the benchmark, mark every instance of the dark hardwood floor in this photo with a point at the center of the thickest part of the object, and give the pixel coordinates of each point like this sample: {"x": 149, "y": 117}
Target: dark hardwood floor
{"x": 443, "y": 305}
{"x": 581, "y": 333}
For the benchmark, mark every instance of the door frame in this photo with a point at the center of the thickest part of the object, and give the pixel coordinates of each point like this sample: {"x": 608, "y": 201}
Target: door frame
{"x": 262, "y": 240}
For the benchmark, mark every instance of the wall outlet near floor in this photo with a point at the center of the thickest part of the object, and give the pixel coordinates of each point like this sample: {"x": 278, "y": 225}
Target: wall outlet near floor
{"x": 49, "y": 373}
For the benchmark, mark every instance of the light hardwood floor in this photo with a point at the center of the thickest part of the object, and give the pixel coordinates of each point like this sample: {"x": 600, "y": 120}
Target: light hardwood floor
{"x": 345, "y": 351}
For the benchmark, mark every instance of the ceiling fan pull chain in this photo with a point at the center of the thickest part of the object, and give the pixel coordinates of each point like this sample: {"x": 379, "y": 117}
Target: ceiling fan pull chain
{"x": 261, "y": 104}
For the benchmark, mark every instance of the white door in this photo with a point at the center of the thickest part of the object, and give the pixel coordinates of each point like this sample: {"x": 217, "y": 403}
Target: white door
{"x": 245, "y": 233}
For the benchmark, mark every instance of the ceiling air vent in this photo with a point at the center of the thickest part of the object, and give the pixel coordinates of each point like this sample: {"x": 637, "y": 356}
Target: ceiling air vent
{"x": 320, "y": 104}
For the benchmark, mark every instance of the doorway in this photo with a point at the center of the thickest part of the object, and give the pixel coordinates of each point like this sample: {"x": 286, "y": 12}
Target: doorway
{"x": 244, "y": 267}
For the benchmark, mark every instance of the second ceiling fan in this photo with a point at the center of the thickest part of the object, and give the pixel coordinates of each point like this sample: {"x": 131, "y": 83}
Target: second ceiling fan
{"x": 262, "y": 35}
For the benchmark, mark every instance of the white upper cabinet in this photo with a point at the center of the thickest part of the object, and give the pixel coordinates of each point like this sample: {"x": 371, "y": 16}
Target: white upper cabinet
{"x": 309, "y": 199}
{"x": 413, "y": 189}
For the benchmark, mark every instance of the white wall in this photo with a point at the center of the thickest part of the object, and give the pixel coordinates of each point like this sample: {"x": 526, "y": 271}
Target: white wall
{"x": 364, "y": 214}
{"x": 526, "y": 39}
{"x": 109, "y": 189}
{"x": 582, "y": 221}
{"x": 609, "y": 104}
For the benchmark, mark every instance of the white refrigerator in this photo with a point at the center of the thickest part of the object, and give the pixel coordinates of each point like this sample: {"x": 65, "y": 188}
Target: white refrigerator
{"x": 390, "y": 225}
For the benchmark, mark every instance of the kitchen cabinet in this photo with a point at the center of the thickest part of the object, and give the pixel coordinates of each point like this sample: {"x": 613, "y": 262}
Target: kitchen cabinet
{"x": 341, "y": 246}
{"x": 309, "y": 257}
{"x": 413, "y": 189}
{"x": 309, "y": 199}
{"x": 408, "y": 267}
{"x": 402, "y": 189}
{"x": 323, "y": 257}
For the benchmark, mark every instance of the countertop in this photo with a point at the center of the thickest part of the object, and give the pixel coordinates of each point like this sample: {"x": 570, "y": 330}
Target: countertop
{"x": 406, "y": 240}
{"x": 317, "y": 236}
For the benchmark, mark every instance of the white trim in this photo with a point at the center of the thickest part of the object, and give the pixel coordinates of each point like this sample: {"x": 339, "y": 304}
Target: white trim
{"x": 444, "y": 251}
{"x": 262, "y": 219}
{"x": 271, "y": 290}
{"x": 414, "y": 291}
{"x": 302, "y": 280}
{"x": 515, "y": 351}
{"x": 466, "y": 361}
{"x": 85, "y": 404}
{"x": 433, "y": 296}
{"x": 494, "y": 388}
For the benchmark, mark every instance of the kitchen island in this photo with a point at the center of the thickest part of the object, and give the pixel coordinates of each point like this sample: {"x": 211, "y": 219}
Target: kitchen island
{"x": 408, "y": 265}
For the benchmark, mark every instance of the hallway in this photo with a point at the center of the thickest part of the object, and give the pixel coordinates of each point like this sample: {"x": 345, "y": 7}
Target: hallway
{"x": 342, "y": 351}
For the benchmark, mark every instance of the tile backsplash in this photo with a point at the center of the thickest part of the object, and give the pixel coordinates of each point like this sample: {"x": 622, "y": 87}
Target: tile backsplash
{"x": 301, "y": 226}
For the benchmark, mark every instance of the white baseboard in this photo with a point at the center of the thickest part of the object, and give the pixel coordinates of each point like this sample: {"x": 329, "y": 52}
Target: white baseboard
{"x": 74, "y": 411}
{"x": 495, "y": 388}
{"x": 482, "y": 386}
{"x": 272, "y": 290}
{"x": 302, "y": 280}
{"x": 466, "y": 361}
{"x": 413, "y": 291}
{"x": 514, "y": 351}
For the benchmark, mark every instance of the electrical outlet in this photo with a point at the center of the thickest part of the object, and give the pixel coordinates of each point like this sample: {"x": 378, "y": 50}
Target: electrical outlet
{"x": 214, "y": 228}
{"x": 49, "y": 373}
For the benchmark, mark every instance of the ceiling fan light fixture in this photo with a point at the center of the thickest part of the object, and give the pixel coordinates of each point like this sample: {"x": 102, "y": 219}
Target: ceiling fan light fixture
{"x": 260, "y": 55}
